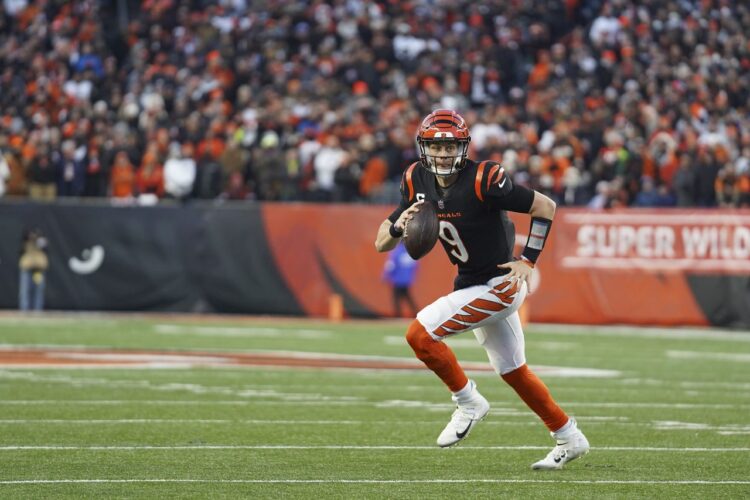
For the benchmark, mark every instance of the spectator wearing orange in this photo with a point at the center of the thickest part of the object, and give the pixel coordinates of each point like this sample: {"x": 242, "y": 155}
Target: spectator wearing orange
{"x": 149, "y": 179}
{"x": 122, "y": 183}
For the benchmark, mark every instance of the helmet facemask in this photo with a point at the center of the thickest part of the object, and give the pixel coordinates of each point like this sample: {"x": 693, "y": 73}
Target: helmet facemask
{"x": 443, "y": 157}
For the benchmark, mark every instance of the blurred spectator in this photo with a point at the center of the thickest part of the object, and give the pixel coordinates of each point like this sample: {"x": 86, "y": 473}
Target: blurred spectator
{"x": 374, "y": 170}
{"x": 179, "y": 171}
{"x": 327, "y": 161}
{"x": 208, "y": 180}
{"x": 4, "y": 175}
{"x": 71, "y": 171}
{"x": 42, "y": 177}
{"x": 123, "y": 177}
{"x": 234, "y": 159}
{"x": 95, "y": 183}
{"x": 16, "y": 184}
{"x": 149, "y": 178}
{"x": 603, "y": 197}
{"x": 572, "y": 93}
{"x": 707, "y": 171}
{"x": 399, "y": 271}
{"x": 32, "y": 266}
{"x": 727, "y": 187}
{"x": 236, "y": 188}
{"x": 684, "y": 182}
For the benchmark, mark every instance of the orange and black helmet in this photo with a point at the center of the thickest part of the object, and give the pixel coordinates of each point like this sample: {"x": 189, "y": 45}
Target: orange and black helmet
{"x": 443, "y": 126}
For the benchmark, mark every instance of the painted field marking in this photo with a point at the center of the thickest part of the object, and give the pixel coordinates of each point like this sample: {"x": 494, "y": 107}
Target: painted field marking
{"x": 688, "y": 384}
{"x": 470, "y": 342}
{"x": 234, "y": 331}
{"x": 390, "y": 403}
{"x": 376, "y": 481}
{"x": 653, "y": 449}
{"x": 726, "y": 429}
{"x": 642, "y": 332}
{"x": 712, "y": 356}
{"x": 45, "y": 319}
{"x": 675, "y": 425}
{"x": 250, "y": 421}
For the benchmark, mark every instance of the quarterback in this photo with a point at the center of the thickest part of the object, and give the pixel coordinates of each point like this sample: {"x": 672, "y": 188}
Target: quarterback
{"x": 472, "y": 199}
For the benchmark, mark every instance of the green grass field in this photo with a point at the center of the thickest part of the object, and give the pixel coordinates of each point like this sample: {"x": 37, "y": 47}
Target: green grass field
{"x": 667, "y": 413}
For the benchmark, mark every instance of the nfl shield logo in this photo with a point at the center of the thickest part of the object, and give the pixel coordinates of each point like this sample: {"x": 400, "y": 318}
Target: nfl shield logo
{"x": 441, "y": 205}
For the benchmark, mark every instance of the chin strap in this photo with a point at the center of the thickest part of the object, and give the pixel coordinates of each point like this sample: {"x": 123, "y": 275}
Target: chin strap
{"x": 540, "y": 228}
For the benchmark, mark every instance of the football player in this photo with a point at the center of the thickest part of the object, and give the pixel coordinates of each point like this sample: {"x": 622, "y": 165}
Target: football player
{"x": 472, "y": 199}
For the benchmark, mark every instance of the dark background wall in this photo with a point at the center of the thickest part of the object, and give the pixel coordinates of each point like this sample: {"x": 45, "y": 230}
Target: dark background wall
{"x": 599, "y": 267}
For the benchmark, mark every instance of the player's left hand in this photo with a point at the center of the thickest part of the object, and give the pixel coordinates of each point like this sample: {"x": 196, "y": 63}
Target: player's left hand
{"x": 519, "y": 270}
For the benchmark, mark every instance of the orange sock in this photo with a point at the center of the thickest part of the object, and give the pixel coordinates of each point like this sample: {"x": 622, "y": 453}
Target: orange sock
{"x": 437, "y": 356}
{"x": 536, "y": 395}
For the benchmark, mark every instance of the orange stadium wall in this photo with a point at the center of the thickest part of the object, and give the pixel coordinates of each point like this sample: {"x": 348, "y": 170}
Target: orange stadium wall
{"x": 649, "y": 267}
{"x": 633, "y": 266}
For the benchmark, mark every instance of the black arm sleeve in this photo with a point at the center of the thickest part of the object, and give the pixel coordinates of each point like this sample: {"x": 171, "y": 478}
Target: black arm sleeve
{"x": 399, "y": 210}
{"x": 518, "y": 200}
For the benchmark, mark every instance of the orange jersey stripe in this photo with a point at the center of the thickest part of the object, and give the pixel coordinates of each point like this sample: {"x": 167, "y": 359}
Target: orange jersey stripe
{"x": 478, "y": 180}
{"x": 409, "y": 182}
{"x": 495, "y": 175}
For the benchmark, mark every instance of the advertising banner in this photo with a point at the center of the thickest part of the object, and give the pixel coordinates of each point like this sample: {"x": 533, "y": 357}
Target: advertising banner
{"x": 650, "y": 267}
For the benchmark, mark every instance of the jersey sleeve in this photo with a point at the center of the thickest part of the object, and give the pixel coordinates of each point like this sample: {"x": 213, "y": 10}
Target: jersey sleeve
{"x": 495, "y": 183}
{"x": 518, "y": 200}
{"x": 495, "y": 187}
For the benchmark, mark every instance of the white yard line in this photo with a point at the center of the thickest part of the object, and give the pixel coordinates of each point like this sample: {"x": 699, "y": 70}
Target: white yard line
{"x": 126, "y": 421}
{"x": 375, "y": 481}
{"x": 245, "y": 402}
{"x": 680, "y": 406}
{"x": 706, "y": 386}
{"x": 711, "y": 356}
{"x": 653, "y": 449}
{"x": 676, "y": 425}
{"x": 682, "y": 333}
{"x": 172, "y": 387}
{"x": 237, "y": 331}
{"x": 469, "y": 341}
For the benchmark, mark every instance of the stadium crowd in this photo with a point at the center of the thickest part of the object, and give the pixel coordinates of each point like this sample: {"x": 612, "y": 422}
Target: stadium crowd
{"x": 600, "y": 102}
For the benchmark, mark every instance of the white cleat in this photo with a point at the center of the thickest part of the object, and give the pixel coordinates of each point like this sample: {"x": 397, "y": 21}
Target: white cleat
{"x": 468, "y": 412}
{"x": 571, "y": 444}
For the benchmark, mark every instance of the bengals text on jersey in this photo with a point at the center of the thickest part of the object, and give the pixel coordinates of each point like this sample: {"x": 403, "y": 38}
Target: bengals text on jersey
{"x": 475, "y": 231}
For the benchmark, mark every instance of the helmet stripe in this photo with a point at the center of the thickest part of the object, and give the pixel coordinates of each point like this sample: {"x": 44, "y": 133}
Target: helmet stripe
{"x": 448, "y": 122}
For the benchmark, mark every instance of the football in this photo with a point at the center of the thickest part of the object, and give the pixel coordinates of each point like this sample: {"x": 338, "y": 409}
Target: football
{"x": 421, "y": 231}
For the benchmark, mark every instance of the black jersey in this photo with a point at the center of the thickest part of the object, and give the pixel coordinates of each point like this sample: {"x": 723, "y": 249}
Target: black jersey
{"x": 475, "y": 230}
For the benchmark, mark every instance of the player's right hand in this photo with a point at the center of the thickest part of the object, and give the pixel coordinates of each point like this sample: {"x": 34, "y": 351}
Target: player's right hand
{"x": 407, "y": 215}
{"x": 519, "y": 270}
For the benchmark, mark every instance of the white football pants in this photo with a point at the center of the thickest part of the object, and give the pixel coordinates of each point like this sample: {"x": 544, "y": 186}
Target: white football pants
{"x": 491, "y": 310}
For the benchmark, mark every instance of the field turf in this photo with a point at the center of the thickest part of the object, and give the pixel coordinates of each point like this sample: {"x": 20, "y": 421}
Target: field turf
{"x": 114, "y": 407}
